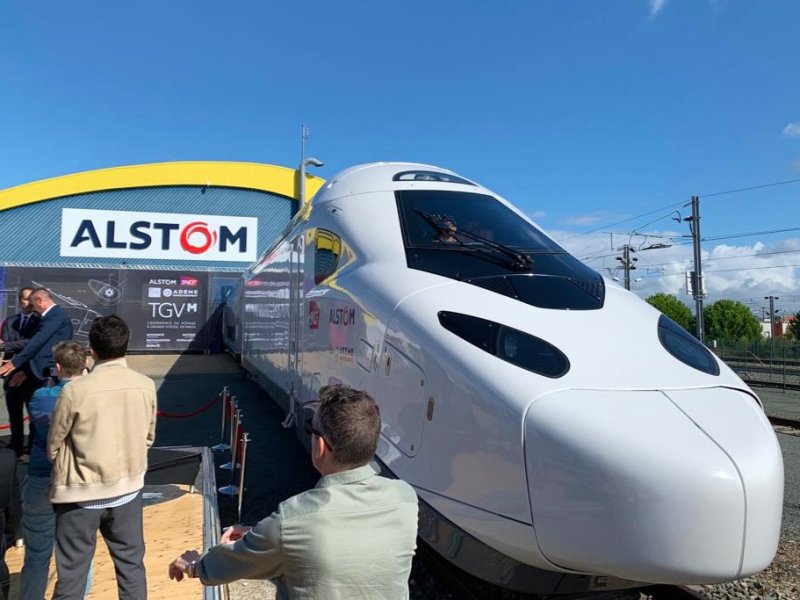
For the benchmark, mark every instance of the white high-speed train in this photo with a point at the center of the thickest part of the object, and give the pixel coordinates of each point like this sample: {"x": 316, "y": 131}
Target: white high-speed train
{"x": 562, "y": 434}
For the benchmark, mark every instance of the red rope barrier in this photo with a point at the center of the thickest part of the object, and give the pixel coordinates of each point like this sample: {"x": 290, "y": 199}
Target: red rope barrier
{"x": 194, "y": 413}
{"x": 2, "y": 427}
{"x": 160, "y": 413}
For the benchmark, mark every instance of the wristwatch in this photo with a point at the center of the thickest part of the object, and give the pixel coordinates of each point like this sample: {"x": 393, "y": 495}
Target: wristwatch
{"x": 191, "y": 569}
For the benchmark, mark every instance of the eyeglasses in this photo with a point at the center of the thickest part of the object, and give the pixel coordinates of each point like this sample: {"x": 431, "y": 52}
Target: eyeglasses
{"x": 311, "y": 430}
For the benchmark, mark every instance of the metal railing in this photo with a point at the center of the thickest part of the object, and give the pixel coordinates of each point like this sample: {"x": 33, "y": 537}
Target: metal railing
{"x": 211, "y": 526}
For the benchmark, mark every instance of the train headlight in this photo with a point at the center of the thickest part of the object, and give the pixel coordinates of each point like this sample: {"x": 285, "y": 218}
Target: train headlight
{"x": 685, "y": 347}
{"x": 511, "y": 345}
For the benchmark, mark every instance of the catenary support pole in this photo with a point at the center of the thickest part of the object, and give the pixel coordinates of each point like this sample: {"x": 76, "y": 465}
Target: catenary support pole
{"x": 697, "y": 282}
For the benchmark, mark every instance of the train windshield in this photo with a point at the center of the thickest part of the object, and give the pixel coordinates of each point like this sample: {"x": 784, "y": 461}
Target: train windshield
{"x": 447, "y": 220}
{"x": 476, "y": 239}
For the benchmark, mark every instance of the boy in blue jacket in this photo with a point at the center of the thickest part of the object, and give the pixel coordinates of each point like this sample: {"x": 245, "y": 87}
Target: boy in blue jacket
{"x": 38, "y": 518}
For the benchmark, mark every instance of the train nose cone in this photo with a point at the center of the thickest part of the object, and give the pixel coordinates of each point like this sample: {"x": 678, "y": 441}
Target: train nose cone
{"x": 671, "y": 487}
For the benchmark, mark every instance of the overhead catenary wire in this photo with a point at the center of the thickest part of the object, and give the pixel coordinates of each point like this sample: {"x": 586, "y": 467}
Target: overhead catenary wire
{"x": 682, "y": 203}
{"x": 647, "y": 214}
{"x": 752, "y": 187}
{"x": 684, "y": 242}
{"x": 674, "y": 273}
{"x": 749, "y": 234}
{"x": 756, "y": 255}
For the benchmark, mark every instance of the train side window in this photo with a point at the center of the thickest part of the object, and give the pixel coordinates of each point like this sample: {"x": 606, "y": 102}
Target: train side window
{"x": 327, "y": 249}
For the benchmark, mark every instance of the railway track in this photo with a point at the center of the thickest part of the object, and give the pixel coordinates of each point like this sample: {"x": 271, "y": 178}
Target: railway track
{"x": 764, "y": 362}
{"x": 771, "y": 384}
{"x": 782, "y": 422}
{"x": 784, "y": 374}
{"x": 740, "y": 367}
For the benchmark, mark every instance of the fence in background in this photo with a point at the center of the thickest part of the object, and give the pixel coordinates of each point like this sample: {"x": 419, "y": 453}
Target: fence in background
{"x": 774, "y": 363}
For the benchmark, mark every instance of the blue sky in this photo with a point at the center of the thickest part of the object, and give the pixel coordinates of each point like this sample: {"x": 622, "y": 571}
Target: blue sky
{"x": 583, "y": 113}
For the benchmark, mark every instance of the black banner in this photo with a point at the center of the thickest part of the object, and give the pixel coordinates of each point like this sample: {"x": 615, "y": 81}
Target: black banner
{"x": 167, "y": 311}
{"x": 84, "y": 293}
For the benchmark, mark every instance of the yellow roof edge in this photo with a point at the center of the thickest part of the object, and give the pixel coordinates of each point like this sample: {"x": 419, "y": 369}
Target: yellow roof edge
{"x": 254, "y": 176}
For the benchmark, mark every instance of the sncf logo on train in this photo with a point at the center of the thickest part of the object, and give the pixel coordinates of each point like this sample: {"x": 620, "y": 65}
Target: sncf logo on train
{"x": 122, "y": 234}
{"x": 313, "y": 315}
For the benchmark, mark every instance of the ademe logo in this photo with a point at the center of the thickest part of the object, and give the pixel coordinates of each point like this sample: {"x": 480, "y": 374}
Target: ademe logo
{"x": 121, "y": 234}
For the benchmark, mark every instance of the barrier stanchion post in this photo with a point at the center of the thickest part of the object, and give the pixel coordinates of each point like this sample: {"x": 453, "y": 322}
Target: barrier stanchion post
{"x": 230, "y": 489}
{"x": 233, "y": 406}
{"x": 237, "y": 421}
{"x": 242, "y": 468}
{"x": 239, "y": 447}
{"x": 226, "y": 401}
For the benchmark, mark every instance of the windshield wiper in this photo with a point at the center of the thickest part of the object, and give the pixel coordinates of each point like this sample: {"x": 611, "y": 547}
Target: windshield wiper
{"x": 445, "y": 226}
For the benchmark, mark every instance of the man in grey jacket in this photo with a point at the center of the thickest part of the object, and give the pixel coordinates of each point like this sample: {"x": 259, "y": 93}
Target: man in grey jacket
{"x": 352, "y": 536}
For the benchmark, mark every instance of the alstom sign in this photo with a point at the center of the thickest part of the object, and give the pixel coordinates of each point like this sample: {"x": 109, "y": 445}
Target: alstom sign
{"x": 133, "y": 235}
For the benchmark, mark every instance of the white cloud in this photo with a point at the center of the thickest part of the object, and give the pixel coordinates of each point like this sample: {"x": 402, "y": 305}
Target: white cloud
{"x": 745, "y": 273}
{"x": 792, "y": 129}
{"x": 656, "y": 6}
{"x": 584, "y": 220}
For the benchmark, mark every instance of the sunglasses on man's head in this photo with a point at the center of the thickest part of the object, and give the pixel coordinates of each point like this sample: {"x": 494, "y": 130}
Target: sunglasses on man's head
{"x": 311, "y": 430}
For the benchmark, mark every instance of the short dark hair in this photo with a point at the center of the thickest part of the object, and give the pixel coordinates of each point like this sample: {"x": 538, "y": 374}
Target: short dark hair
{"x": 350, "y": 421}
{"x": 109, "y": 337}
{"x": 71, "y": 356}
{"x": 43, "y": 291}
{"x": 23, "y": 290}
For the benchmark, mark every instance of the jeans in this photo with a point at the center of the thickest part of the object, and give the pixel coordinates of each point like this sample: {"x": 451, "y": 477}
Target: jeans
{"x": 39, "y": 531}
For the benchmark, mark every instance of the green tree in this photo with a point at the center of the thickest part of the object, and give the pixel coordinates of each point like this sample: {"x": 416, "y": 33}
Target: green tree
{"x": 793, "y": 330}
{"x": 673, "y": 308}
{"x": 730, "y": 320}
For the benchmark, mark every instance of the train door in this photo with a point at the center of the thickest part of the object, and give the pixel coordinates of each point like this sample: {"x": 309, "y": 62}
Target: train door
{"x": 403, "y": 399}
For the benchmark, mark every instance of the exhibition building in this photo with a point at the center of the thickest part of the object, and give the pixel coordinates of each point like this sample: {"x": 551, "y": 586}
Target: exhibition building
{"x": 162, "y": 245}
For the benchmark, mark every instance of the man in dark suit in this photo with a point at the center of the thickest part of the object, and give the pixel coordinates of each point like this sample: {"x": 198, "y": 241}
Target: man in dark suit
{"x": 34, "y": 361}
{"x": 15, "y": 334}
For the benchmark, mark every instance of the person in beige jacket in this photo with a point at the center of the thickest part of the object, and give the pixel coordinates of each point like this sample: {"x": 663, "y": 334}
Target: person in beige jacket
{"x": 101, "y": 428}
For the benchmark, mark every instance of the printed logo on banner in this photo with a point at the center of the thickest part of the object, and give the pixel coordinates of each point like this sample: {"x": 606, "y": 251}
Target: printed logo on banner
{"x": 313, "y": 315}
{"x": 125, "y": 234}
{"x": 169, "y": 310}
{"x": 189, "y": 281}
{"x": 154, "y": 292}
